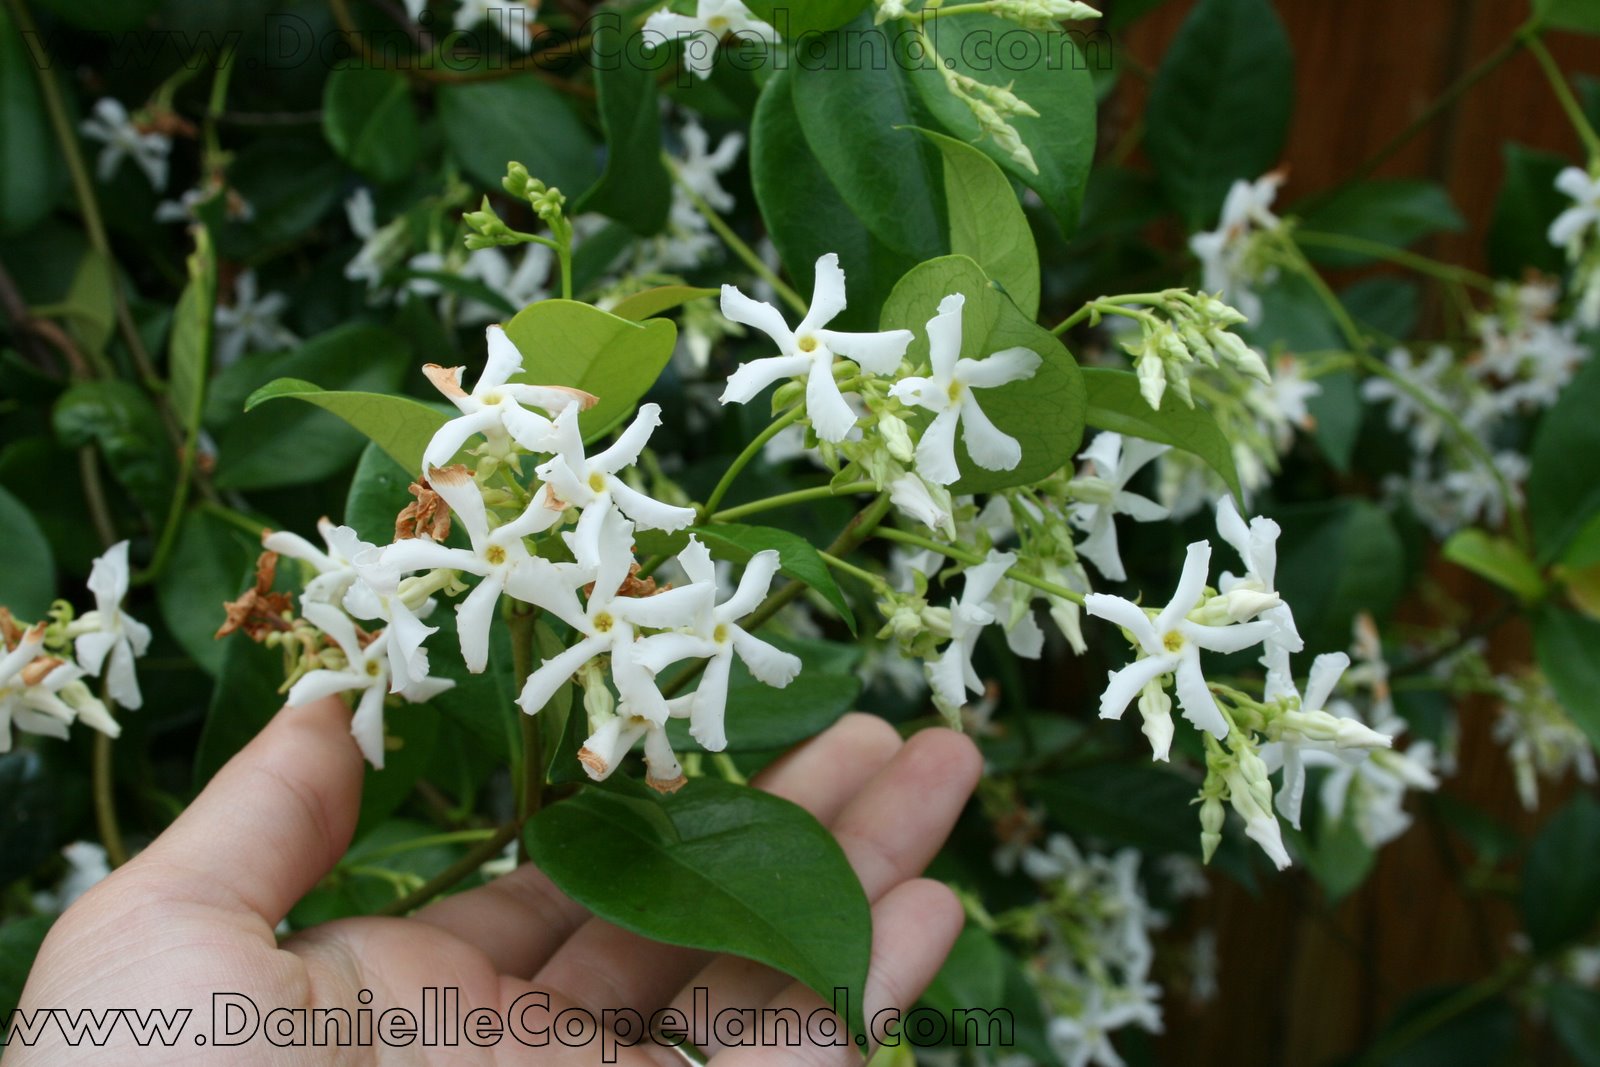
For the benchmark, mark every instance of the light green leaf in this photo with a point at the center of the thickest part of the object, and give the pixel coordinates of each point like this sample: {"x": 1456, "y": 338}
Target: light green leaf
{"x": 567, "y": 343}
{"x": 634, "y": 188}
{"x": 90, "y": 305}
{"x": 28, "y": 579}
{"x": 32, "y": 175}
{"x": 369, "y": 119}
{"x": 1046, "y": 71}
{"x": 189, "y": 351}
{"x": 1220, "y": 106}
{"x": 491, "y": 121}
{"x": 715, "y": 866}
{"x": 1563, "y": 493}
{"x": 399, "y": 425}
{"x": 987, "y": 223}
{"x": 1045, "y": 413}
{"x": 855, "y": 118}
{"x": 1115, "y": 404}
{"x": 1497, "y": 559}
{"x": 791, "y": 20}
{"x": 798, "y": 558}
{"x": 651, "y": 302}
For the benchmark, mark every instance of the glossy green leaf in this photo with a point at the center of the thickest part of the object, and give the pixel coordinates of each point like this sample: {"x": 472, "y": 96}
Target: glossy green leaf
{"x": 119, "y": 419}
{"x": 369, "y": 119}
{"x": 189, "y": 352}
{"x": 1046, "y": 71}
{"x": 987, "y": 223}
{"x": 855, "y": 117}
{"x": 662, "y": 298}
{"x": 214, "y": 562}
{"x": 1337, "y": 559}
{"x": 1115, "y": 404}
{"x": 798, "y": 558}
{"x": 1560, "y": 895}
{"x": 1394, "y": 212}
{"x": 1220, "y": 106}
{"x": 715, "y": 866}
{"x": 763, "y": 719}
{"x": 1497, "y": 559}
{"x": 791, "y": 19}
{"x": 28, "y": 579}
{"x": 1565, "y": 643}
{"x": 567, "y": 343}
{"x": 634, "y": 188}
{"x": 1574, "y": 1013}
{"x": 1045, "y": 413}
{"x": 793, "y": 192}
{"x": 492, "y": 121}
{"x": 1563, "y": 493}
{"x": 32, "y": 175}
{"x": 402, "y": 427}
{"x": 379, "y": 490}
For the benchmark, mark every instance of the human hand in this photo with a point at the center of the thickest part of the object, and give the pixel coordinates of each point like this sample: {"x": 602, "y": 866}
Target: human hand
{"x": 194, "y": 914}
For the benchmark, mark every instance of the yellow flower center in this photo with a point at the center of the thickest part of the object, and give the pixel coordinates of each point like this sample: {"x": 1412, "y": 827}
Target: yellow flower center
{"x": 491, "y": 398}
{"x": 603, "y": 622}
{"x": 495, "y": 555}
{"x": 373, "y": 670}
{"x": 597, "y": 482}
{"x": 720, "y": 634}
{"x": 954, "y": 392}
{"x": 808, "y": 343}
{"x": 1172, "y": 641}
{"x": 718, "y": 23}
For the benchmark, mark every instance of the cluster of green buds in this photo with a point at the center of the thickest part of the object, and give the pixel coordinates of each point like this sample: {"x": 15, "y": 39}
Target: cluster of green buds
{"x": 1182, "y": 330}
{"x": 916, "y": 626}
{"x": 546, "y": 200}
{"x": 1236, "y": 773}
{"x": 1043, "y": 15}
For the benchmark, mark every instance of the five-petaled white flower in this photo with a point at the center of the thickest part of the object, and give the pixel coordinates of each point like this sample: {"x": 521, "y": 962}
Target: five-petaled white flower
{"x": 1257, "y": 545}
{"x": 250, "y": 322}
{"x": 810, "y": 349}
{"x": 499, "y": 556}
{"x": 1104, "y": 495}
{"x": 700, "y": 168}
{"x": 947, "y": 392}
{"x": 1224, "y": 253}
{"x": 29, "y": 684}
{"x": 111, "y": 126}
{"x": 1170, "y": 643}
{"x": 573, "y": 479}
{"x": 604, "y": 749}
{"x": 704, "y": 30}
{"x": 366, "y": 671}
{"x": 335, "y": 566}
{"x": 511, "y": 19}
{"x": 1567, "y": 231}
{"x": 951, "y": 676}
{"x": 715, "y": 635}
{"x": 495, "y": 408}
{"x": 108, "y": 631}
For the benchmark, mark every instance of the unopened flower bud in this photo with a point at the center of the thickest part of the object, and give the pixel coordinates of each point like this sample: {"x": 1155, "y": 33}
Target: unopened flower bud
{"x": 897, "y": 436}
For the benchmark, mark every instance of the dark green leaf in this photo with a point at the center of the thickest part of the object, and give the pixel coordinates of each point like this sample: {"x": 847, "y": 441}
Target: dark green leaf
{"x": 1563, "y": 493}
{"x": 1560, "y": 895}
{"x": 1394, "y": 212}
{"x": 378, "y": 492}
{"x": 716, "y": 866}
{"x": 1575, "y": 1017}
{"x": 490, "y": 122}
{"x": 214, "y": 562}
{"x": 799, "y": 558}
{"x": 28, "y": 579}
{"x": 1338, "y": 858}
{"x": 634, "y": 188}
{"x": 1115, "y": 404}
{"x": 118, "y": 418}
{"x": 1482, "y": 1032}
{"x": 245, "y": 700}
{"x": 369, "y": 119}
{"x": 28, "y": 808}
{"x": 1565, "y": 643}
{"x": 1579, "y": 16}
{"x": 1337, "y": 559}
{"x": 762, "y": 719}
{"x": 1337, "y": 410}
{"x": 1045, "y": 413}
{"x": 1220, "y": 106}
{"x": 101, "y": 16}
{"x": 31, "y": 171}
{"x": 1529, "y": 201}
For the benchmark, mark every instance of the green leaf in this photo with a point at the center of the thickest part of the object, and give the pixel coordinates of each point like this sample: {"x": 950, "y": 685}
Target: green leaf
{"x": 1337, "y": 559}
{"x": 32, "y": 175}
{"x": 1395, "y": 212}
{"x": 1337, "y": 410}
{"x": 19, "y": 946}
{"x": 987, "y": 223}
{"x": 1483, "y": 1033}
{"x": 855, "y": 118}
{"x": 213, "y": 563}
{"x": 1575, "y": 1017}
{"x": 651, "y": 302}
{"x": 245, "y": 700}
{"x": 1528, "y": 202}
{"x": 28, "y": 814}
{"x": 791, "y": 20}
{"x": 1046, "y": 71}
{"x": 189, "y": 354}
{"x": 793, "y": 192}
{"x": 798, "y": 558}
{"x": 763, "y": 719}
{"x": 715, "y": 866}
{"x": 402, "y": 427}
{"x": 1220, "y": 106}
{"x": 101, "y": 16}
{"x": 1560, "y": 895}
{"x": 379, "y": 489}
{"x": 567, "y": 343}
{"x": 985, "y": 982}
{"x": 28, "y": 580}
{"x": 1497, "y": 559}
{"x": 118, "y": 418}
{"x": 1115, "y": 404}
{"x": 492, "y": 121}
{"x": 411, "y": 739}
{"x": 369, "y": 119}
{"x": 634, "y": 188}
{"x": 263, "y": 449}
{"x": 1565, "y": 644}
{"x": 1563, "y": 493}
{"x": 1045, "y": 413}
{"x": 1579, "y": 16}
{"x": 1338, "y": 858}
{"x": 90, "y": 305}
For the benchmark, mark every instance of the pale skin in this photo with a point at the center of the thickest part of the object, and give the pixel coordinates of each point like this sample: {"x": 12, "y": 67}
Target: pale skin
{"x": 194, "y": 913}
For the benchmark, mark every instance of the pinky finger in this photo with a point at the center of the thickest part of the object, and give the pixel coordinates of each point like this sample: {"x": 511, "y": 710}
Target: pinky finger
{"x": 914, "y": 926}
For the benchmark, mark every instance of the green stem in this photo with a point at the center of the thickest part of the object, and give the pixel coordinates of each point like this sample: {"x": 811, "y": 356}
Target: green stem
{"x": 449, "y": 877}
{"x": 1378, "y": 250}
{"x": 846, "y": 567}
{"x": 1110, "y": 305}
{"x": 232, "y": 517}
{"x": 751, "y": 451}
{"x": 1558, "y": 83}
{"x": 736, "y": 243}
{"x": 456, "y": 837}
{"x": 94, "y": 494}
{"x": 530, "y": 793}
{"x": 798, "y": 496}
{"x": 962, "y": 555}
{"x": 105, "y": 803}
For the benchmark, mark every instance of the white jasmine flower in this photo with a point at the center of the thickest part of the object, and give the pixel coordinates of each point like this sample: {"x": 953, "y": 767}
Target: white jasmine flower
{"x": 1225, "y": 253}
{"x": 1168, "y": 642}
{"x": 810, "y": 349}
{"x": 715, "y": 635}
{"x": 111, "y": 126}
{"x": 87, "y": 867}
{"x": 1404, "y": 409}
{"x": 335, "y": 566}
{"x": 250, "y": 322}
{"x": 378, "y": 246}
{"x": 605, "y": 748}
{"x": 1085, "y": 1038}
{"x": 1257, "y": 545}
{"x": 1572, "y": 228}
{"x": 1476, "y": 490}
{"x": 376, "y": 597}
{"x": 1372, "y": 791}
{"x": 29, "y": 686}
{"x": 512, "y": 19}
{"x": 947, "y": 392}
{"x": 1102, "y": 495}
{"x": 110, "y": 632}
{"x": 928, "y": 504}
{"x": 366, "y": 671}
{"x": 952, "y": 675}
{"x": 573, "y": 479}
{"x": 1541, "y": 740}
{"x": 701, "y": 166}
{"x": 520, "y": 287}
{"x": 499, "y": 556}
{"x": 704, "y": 30}
{"x": 495, "y": 407}
{"x": 1283, "y": 406}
